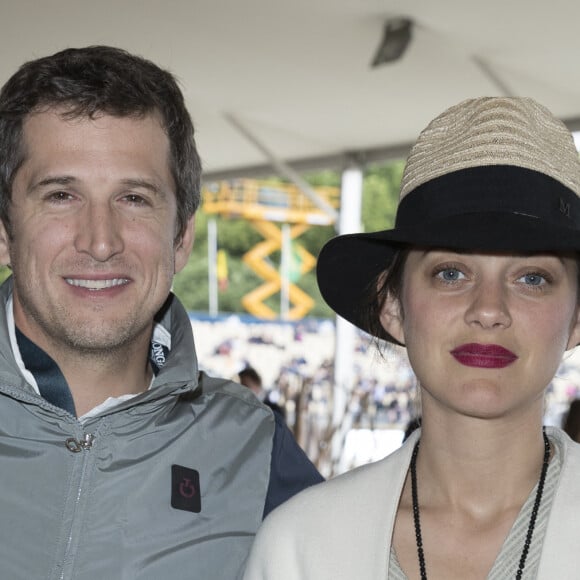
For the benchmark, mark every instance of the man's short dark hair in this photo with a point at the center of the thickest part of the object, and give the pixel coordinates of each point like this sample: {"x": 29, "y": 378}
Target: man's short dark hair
{"x": 87, "y": 82}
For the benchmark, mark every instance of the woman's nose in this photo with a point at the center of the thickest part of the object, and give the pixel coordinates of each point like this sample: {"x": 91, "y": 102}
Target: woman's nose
{"x": 489, "y": 306}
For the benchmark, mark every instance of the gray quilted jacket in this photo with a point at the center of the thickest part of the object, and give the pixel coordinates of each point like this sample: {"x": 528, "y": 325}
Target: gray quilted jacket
{"x": 170, "y": 485}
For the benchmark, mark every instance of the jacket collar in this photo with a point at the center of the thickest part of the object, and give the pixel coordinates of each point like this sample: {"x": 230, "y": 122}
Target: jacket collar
{"x": 172, "y": 349}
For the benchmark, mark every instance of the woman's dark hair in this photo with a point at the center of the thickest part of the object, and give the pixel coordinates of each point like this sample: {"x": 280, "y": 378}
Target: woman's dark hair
{"x": 387, "y": 283}
{"x": 87, "y": 82}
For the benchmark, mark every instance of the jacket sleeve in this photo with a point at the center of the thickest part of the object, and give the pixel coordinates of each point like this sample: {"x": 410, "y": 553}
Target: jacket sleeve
{"x": 290, "y": 469}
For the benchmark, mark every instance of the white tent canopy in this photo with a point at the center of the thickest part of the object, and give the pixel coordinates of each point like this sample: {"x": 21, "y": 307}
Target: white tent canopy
{"x": 297, "y": 74}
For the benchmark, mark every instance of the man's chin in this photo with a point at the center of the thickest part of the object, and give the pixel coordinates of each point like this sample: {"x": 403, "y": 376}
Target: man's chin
{"x": 101, "y": 340}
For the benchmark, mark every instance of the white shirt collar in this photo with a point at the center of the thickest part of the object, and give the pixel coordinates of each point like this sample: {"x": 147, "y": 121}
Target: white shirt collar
{"x": 160, "y": 335}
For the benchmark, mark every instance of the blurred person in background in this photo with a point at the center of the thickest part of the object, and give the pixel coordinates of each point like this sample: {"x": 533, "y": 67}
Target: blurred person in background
{"x": 249, "y": 377}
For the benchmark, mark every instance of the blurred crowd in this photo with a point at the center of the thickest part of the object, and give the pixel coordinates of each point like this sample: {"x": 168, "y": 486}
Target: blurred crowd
{"x": 294, "y": 362}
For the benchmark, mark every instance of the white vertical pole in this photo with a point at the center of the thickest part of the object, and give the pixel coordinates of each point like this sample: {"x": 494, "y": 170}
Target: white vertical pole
{"x": 212, "y": 266}
{"x": 349, "y": 222}
{"x": 285, "y": 272}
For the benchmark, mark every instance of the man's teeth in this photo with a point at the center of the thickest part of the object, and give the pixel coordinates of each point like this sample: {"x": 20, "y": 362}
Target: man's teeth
{"x": 96, "y": 284}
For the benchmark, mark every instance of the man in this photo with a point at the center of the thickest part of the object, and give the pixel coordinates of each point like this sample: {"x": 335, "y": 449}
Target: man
{"x": 118, "y": 459}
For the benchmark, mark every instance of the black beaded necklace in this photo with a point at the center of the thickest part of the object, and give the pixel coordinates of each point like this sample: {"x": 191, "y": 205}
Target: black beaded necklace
{"x": 531, "y": 525}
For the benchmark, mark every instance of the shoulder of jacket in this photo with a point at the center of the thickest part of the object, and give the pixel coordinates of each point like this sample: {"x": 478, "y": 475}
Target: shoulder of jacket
{"x": 227, "y": 388}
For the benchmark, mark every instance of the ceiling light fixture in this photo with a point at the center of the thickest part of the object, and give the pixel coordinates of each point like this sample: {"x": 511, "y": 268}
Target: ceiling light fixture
{"x": 396, "y": 37}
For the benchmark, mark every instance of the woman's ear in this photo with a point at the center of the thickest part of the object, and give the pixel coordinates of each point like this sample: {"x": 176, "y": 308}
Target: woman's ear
{"x": 391, "y": 317}
{"x": 574, "y": 339}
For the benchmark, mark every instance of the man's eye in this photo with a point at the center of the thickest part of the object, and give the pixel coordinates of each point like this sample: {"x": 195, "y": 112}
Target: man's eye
{"x": 59, "y": 196}
{"x": 135, "y": 199}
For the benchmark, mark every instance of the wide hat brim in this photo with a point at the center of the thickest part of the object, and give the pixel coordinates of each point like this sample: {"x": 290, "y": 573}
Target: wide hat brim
{"x": 348, "y": 265}
{"x": 490, "y": 174}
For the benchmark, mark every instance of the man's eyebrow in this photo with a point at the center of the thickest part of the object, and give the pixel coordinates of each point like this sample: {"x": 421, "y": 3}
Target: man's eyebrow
{"x": 56, "y": 180}
{"x": 129, "y": 182}
{"x": 144, "y": 184}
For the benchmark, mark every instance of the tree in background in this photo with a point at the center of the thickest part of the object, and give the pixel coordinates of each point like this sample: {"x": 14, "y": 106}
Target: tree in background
{"x": 236, "y": 237}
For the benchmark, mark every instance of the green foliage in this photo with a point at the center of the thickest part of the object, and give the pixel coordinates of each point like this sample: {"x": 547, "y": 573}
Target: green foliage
{"x": 380, "y": 196}
{"x": 236, "y": 237}
{"x": 310, "y": 286}
{"x": 315, "y": 238}
{"x": 192, "y": 283}
{"x": 241, "y": 280}
{"x": 326, "y": 178}
{"x": 5, "y": 272}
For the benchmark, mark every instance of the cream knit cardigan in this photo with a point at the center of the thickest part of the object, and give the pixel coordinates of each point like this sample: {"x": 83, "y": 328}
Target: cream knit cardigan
{"x": 342, "y": 529}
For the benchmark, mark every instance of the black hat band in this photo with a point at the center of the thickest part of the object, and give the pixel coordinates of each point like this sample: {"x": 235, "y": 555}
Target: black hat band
{"x": 492, "y": 188}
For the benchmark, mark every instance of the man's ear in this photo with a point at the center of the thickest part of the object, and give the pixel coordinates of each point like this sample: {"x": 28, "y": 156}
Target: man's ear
{"x": 184, "y": 245}
{"x": 391, "y": 317}
{"x": 4, "y": 245}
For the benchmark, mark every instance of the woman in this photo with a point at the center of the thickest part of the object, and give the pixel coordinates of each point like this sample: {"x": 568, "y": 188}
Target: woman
{"x": 479, "y": 280}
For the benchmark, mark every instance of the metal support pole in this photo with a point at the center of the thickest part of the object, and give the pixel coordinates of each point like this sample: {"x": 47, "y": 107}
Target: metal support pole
{"x": 350, "y": 222}
{"x": 212, "y": 266}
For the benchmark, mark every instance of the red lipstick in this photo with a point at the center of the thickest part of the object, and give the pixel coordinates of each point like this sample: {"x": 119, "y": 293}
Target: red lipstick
{"x": 487, "y": 356}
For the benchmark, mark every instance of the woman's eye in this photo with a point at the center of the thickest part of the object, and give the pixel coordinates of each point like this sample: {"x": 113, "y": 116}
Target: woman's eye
{"x": 450, "y": 274}
{"x": 533, "y": 279}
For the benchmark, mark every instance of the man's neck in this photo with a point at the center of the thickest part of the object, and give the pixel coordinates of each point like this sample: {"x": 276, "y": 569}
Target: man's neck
{"x": 79, "y": 381}
{"x": 92, "y": 382}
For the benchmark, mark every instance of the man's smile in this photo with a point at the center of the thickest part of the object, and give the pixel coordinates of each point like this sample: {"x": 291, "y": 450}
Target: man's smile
{"x": 92, "y": 284}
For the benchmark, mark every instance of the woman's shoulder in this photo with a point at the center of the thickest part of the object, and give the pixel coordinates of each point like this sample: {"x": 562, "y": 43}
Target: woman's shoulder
{"x": 351, "y": 491}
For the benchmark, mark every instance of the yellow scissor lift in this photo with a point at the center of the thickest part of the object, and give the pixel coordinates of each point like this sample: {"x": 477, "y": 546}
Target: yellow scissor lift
{"x": 261, "y": 203}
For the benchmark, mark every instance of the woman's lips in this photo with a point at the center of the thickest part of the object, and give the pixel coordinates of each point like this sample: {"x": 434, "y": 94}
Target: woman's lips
{"x": 488, "y": 356}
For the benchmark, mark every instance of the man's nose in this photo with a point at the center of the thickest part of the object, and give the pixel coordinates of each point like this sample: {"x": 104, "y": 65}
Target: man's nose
{"x": 99, "y": 232}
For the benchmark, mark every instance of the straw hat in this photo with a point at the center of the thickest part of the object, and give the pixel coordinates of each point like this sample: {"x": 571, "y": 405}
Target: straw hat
{"x": 490, "y": 174}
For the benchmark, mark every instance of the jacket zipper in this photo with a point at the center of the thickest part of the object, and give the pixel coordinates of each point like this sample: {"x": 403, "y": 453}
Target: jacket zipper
{"x": 77, "y": 446}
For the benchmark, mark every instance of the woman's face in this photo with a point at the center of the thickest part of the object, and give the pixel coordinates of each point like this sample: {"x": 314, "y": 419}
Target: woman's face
{"x": 485, "y": 333}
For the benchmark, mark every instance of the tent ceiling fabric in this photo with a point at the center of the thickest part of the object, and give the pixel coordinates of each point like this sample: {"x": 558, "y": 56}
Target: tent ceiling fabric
{"x": 298, "y": 74}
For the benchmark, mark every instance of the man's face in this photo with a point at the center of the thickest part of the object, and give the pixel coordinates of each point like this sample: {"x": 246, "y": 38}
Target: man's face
{"x": 93, "y": 226}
